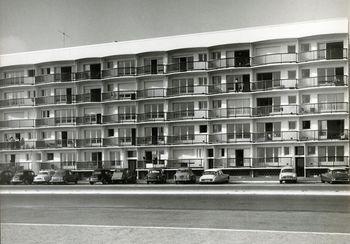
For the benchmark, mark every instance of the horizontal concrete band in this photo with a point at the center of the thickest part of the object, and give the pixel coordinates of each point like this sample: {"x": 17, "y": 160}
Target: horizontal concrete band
{"x": 173, "y": 192}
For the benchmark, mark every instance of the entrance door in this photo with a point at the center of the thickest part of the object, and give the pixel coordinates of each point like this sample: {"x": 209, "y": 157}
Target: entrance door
{"x": 133, "y": 136}
{"x": 95, "y": 71}
{"x": 246, "y": 83}
{"x": 69, "y": 95}
{"x": 132, "y": 165}
{"x": 334, "y": 50}
{"x": 64, "y": 136}
{"x": 183, "y": 64}
{"x": 239, "y": 158}
{"x": 97, "y": 159}
{"x": 95, "y": 95}
{"x": 299, "y": 165}
{"x": 148, "y": 156}
{"x": 154, "y": 135}
{"x": 154, "y": 68}
{"x": 66, "y": 73}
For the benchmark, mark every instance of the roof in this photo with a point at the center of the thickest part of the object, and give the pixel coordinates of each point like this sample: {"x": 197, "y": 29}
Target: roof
{"x": 205, "y": 39}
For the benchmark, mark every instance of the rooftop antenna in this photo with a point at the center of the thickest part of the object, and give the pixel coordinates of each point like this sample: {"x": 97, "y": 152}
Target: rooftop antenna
{"x": 64, "y": 35}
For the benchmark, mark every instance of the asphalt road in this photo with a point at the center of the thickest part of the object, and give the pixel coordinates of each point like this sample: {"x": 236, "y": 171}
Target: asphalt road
{"x": 180, "y": 218}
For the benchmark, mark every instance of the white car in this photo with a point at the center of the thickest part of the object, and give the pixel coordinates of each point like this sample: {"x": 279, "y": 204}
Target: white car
{"x": 287, "y": 174}
{"x": 43, "y": 177}
{"x": 214, "y": 176}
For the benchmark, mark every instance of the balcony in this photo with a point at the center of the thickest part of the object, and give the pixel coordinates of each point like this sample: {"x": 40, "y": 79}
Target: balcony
{"x": 187, "y": 66}
{"x": 17, "y": 81}
{"x": 53, "y": 78}
{"x": 190, "y": 163}
{"x": 272, "y": 162}
{"x": 119, "y": 141}
{"x": 151, "y": 70}
{"x": 119, "y": 95}
{"x": 151, "y": 93}
{"x": 275, "y": 110}
{"x": 265, "y": 85}
{"x": 151, "y": 116}
{"x": 88, "y": 75}
{"x": 275, "y": 136}
{"x": 19, "y": 102}
{"x": 59, "y": 143}
{"x": 314, "y": 108}
{"x": 274, "y": 58}
{"x": 57, "y": 99}
{"x": 327, "y": 161}
{"x": 21, "y": 123}
{"x": 89, "y": 142}
{"x": 187, "y": 90}
{"x": 319, "y": 81}
{"x": 91, "y": 119}
{"x": 230, "y": 137}
{"x": 188, "y": 114}
{"x": 119, "y": 72}
{"x": 229, "y": 87}
{"x": 312, "y": 135}
{"x": 324, "y": 54}
{"x": 188, "y": 139}
{"x": 232, "y": 162}
{"x": 229, "y": 62}
{"x": 151, "y": 140}
{"x": 119, "y": 118}
{"x": 230, "y": 112}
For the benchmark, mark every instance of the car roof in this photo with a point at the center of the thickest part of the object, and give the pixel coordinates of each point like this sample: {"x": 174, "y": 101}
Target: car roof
{"x": 212, "y": 170}
{"x": 338, "y": 168}
{"x": 287, "y": 167}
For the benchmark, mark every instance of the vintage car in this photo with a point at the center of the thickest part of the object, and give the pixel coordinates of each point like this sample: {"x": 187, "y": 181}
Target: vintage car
{"x": 214, "y": 176}
{"x": 101, "y": 175}
{"x": 156, "y": 175}
{"x": 5, "y": 177}
{"x": 184, "y": 175}
{"x": 334, "y": 175}
{"x": 124, "y": 176}
{"x": 64, "y": 176}
{"x": 23, "y": 176}
{"x": 43, "y": 177}
{"x": 287, "y": 174}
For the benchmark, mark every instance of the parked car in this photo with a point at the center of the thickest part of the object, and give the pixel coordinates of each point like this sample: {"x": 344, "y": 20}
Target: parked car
{"x": 156, "y": 176}
{"x": 214, "y": 176}
{"x": 184, "y": 175}
{"x": 101, "y": 175}
{"x": 23, "y": 176}
{"x": 5, "y": 177}
{"x": 124, "y": 176}
{"x": 287, "y": 174}
{"x": 336, "y": 175}
{"x": 43, "y": 177}
{"x": 64, "y": 177}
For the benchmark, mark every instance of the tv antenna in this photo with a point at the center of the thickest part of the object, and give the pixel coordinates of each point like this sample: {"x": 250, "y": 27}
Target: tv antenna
{"x": 64, "y": 35}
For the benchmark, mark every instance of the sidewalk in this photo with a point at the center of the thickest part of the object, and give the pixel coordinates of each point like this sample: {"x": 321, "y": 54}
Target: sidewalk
{"x": 269, "y": 179}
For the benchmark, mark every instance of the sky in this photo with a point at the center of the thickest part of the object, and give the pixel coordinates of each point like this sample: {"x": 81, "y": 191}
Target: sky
{"x": 28, "y": 25}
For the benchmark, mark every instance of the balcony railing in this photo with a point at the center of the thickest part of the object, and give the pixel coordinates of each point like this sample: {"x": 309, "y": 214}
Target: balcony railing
{"x": 334, "y": 80}
{"x": 90, "y": 142}
{"x": 21, "y": 123}
{"x": 19, "y": 102}
{"x": 188, "y": 139}
{"x": 150, "y": 69}
{"x": 119, "y": 95}
{"x": 229, "y": 87}
{"x": 57, "y": 99}
{"x": 119, "y": 118}
{"x": 327, "y": 161}
{"x": 191, "y": 163}
{"x": 229, "y": 62}
{"x": 152, "y": 140}
{"x": 89, "y": 119}
{"x": 151, "y": 93}
{"x": 272, "y": 162}
{"x": 188, "y": 114}
{"x": 151, "y": 116}
{"x": 275, "y": 58}
{"x": 119, "y": 72}
{"x": 313, "y": 108}
{"x": 17, "y": 81}
{"x": 119, "y": 141}
{"x": 230, "y": 112}
{"x": 232, "y": 162}
{"x": 187, "y": 66}
{"x": 88, "y": 75}
{"x": 187, "y": 90}
{"x": 307, "y": 135}
{"x": 263, "y": 85}
{"x": 275, "y": 110}
{"x": 276, "y": 136}
{"x": 50, "y": 78}
{"x": 245, "y": 136}
{"x": 330, "y": 53}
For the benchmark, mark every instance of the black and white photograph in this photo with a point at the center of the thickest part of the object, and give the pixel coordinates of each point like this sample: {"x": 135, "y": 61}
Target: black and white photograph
{"x": 174, "y": 121}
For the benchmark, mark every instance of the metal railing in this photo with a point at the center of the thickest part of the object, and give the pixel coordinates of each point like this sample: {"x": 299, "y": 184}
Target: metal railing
{"x": 333, "y": 107}
{"x": 229, "y": 62}
{"x": 119, "y": 95}
{"x": 318, "y": 81}
{"x": 327, "y": 161}
{"x": 230, "y": 112}
{"x": 232, "y": 162}
{"x": 51, "y": 78}
{"x": 151, "y": 70}
{"x": 264, "y": 85}
{"x": 17, "y": 102}
{"x": 275, "y": 110}
{"x": 119, "y": 118}
{"x": 272, "y": 162}
{"x": 119, "y": 72}
{"x": 188, "y": 114}
{"x": 187, "y": 66}
{"x": 191, "y": 163}
{"x": 330, "y": 53}
{"x": 17, "y": 81}
{"x": 151, "y": 93}
{"x": 274, "y": 58}
{"x": 88, "y": 75}
{"x": 151, "y": 116}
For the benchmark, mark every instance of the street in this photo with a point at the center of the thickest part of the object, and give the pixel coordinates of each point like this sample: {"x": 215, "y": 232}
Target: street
{"x": 235, "y": 214}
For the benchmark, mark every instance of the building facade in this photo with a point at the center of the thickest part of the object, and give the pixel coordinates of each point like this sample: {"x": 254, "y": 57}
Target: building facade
{"x": 255, "y": 98}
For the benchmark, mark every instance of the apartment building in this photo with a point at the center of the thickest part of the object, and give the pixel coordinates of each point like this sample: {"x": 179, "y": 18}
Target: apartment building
{"x": 247, "y": 99}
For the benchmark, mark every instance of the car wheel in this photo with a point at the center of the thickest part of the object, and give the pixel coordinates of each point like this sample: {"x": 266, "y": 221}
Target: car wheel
{"x": 281, "y": 181}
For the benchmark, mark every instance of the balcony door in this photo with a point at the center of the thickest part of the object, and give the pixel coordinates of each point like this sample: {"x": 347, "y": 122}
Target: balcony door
{"x": 95, "y": 95}
{"x": 239, "y": 158}
{"x": 154, "y": 135}
{"x": 66, "y": 73}
{"x": 335, "y": 129}
{"x": 69, "y": 95}
{"x": 242, "y": 58}
{"x": 154, "y": 66}
{"x": 96, "y": 158}
{"x": 95, "y": 71}
{"x": 64, "y": 136}
{"x": 334, "y": 50}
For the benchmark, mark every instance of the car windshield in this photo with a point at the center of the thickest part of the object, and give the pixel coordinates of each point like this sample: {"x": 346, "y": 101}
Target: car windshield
{"x": 340, "y": 171}
{"x": 19, "y": 173}
{"x": 43, "y": 173}
{"x": 210, "y": 173}
{"x": 287, "y": 170}
{"x": 154, "y": 171}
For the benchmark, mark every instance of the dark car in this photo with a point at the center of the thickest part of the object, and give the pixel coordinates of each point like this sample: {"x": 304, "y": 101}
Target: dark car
{"x": 101, "y": 175}
{"x": 184, "y": 175}
{"x": 156, "y": 176}
{"x": 64, "y": 176}
{"x": 336, "y": 175}
{"x": 23, "y": 176}
{"x": 124, "y": 176}
{"x": 5, "y": 177}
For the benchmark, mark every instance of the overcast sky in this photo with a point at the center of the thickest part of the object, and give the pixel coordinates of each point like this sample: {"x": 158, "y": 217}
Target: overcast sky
{"x": 27, "y": 25}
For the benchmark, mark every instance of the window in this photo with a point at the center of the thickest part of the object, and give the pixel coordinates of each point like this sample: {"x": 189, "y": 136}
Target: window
{"x": 217, "y": 128}
{"x": 216, "y": 80}
{"x": 38, "y": 156}
{"x": 291, "y": 48}
{"x": 45, "y": 114}
{"x": 31, "y": 72}
{"x": 306, "y": 124}
{"x": 222, "y": 152}
{"x": 202, "y": 57}
{"x": 30, "y": 135}
{"x": 305, "y": 99}
{"x": 286, "y": 150}
{"x": 131, "y": 154}
{"x": 202, "y": 105}
{"x": 27, "y": 156}
{"x": 202, "y": 81}
{"x": 305, "y": 73}
{"x": 215, "y": 55}
{"x": 110, "y": 87}
{"x": 45, "y": 134}
{"x": 311, "y": 150}
{"x": 110, "y": 132}
{"x": 305, "y": 47}
{"x": 49, "y": 156}
{"x": 292, "y": 99}
{"x": 299, "y": 150}
{"x": 203, "y": 129}
{"x": 216, "y": 104}
{"x": 109, "y": 65}
{"x": 292, "y": 74}
{"x": 292, "y": 125}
